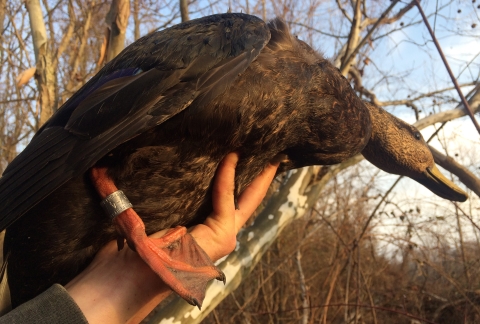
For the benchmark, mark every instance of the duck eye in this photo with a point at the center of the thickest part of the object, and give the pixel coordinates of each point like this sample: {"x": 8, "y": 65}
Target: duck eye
{"x": 418, "y": 136}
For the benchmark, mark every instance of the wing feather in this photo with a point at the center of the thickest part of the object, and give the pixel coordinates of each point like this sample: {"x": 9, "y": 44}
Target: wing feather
{"x": 152, "y": 80}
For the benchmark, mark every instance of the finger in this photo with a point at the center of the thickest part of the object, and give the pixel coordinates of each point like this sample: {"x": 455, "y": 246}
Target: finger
{"x": 217, "y": 235}
{"x": 253, "y": 195}
{"x": 224, "y": 186}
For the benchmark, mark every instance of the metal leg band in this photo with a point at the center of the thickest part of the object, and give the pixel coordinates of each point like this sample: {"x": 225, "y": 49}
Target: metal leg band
{"x": 115, "y": 204}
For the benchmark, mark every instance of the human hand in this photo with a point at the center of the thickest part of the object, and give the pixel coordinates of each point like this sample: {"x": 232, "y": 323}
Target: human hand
{"x": 119, "y": 287}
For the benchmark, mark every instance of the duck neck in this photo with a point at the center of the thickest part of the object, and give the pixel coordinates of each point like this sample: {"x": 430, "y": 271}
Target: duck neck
{"x": 385, "y": 140}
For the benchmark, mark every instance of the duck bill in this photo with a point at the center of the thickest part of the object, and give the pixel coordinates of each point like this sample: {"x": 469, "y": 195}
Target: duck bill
{"x": 434, "y": 180}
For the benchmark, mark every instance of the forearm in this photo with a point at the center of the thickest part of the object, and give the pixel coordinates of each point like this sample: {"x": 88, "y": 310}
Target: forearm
{"x": 107, "y": 295}
{"x": 116, "y": 306}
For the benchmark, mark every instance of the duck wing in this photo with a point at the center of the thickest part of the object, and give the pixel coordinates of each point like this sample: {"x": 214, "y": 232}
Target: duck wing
{"x": 151, "y": 81}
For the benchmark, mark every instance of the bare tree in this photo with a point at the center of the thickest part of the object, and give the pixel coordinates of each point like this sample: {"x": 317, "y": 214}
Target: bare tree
{"x": 372, "y": 250}
{"x": 117, "y": 20}
{"x": 44, "y": 74}
{"x": 184, "y": 10}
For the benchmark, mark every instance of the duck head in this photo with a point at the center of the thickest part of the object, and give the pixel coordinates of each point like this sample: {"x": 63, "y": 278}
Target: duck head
{"x": 399, "y": 148}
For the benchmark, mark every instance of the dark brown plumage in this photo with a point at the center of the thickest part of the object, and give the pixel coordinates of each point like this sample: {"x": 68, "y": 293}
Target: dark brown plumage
{"x": 161, "y": 116}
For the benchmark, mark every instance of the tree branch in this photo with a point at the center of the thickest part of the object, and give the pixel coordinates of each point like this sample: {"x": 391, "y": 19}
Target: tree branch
{"x": 352, "y": 43}
{"x": 394, "y": 18}
{"x": 303, "y": 288}
{"x": 117, "y": 21}
{"x": 45, "y": 75}
{"x": 463, "y": 174}
{"x": 473, "y": 101}
{"x": 184, "y": 10}
{"x": 344, "y": 12}
{"x": 350, "y": 54}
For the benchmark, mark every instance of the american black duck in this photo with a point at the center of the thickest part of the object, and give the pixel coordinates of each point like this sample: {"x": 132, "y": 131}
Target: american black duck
{"x": 156, "y": 121}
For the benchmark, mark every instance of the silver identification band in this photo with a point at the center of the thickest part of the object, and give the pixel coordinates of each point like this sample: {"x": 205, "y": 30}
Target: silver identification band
{"x": 115, "y": 204}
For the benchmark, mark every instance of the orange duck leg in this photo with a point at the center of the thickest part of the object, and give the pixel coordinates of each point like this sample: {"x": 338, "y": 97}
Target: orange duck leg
{"x": 177, "y": 259}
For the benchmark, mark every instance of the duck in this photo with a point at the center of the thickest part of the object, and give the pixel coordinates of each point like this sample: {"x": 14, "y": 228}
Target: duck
{"x": 148, "y": 132}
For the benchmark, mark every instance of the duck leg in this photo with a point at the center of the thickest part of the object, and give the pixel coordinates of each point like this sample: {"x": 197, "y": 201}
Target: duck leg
{"x": 176, "y": 257}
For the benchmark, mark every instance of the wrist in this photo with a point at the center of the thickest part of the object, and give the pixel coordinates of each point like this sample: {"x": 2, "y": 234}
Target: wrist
{"x": 105, "y": 294}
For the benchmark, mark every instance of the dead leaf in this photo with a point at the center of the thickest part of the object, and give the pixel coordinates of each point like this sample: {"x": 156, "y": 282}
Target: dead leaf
{"x": 103, "y": 49}
{"x": 25, "y": 76}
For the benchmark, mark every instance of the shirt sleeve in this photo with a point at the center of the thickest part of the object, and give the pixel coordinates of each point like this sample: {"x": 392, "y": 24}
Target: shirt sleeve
{"x": 52, "y": 306}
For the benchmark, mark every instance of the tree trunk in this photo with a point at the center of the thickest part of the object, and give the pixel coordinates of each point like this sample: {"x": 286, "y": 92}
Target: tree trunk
{"x": 117, "y": 21}
{"x": 44, "y": 75}
{"x": 184, "y": 10}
